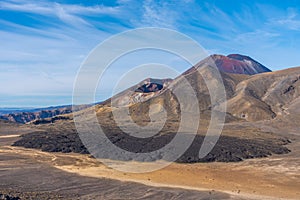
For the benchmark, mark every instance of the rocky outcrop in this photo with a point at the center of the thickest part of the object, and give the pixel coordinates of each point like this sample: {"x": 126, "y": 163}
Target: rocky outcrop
{"x": 8, "y": 197}
{"x": 49, "y": 120}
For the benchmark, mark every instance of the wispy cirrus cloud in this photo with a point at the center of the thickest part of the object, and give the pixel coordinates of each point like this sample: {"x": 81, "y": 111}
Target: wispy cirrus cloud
{"x": 45, "y": 58}
{"x": 67, "y": 13}
{"x": 256, "y": 36}
{"x": 45, "y": 41}
{"x": 158, "y": 13}
{"x": 292, "y": 21}
{"x": 46, "y": 8}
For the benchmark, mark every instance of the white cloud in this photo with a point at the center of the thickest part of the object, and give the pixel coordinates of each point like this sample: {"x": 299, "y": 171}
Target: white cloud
{"x": 43, "y": 7}
{"x": 45, "y": 59}
{"x": 157, "y": 14}
{"x": 51, "y": 48}
{"x": 68, "y": 13}
{"x": 291, "y": 21}
{"x": 256, "y": 36}
{"x": 26, "y": 7}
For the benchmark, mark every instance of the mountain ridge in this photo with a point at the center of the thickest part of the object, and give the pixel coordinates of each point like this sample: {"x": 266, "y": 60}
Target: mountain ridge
{"x": 245, "y": 98}
{"x": 249, "y": 98}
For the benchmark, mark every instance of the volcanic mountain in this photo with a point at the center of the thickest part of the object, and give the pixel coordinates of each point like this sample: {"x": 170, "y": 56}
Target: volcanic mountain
{"x": 256, "y": 97}
{"x": 251, "y": 97}
{"x": 234, "y": 63}
{"x": 262, "y": 119}
{"x": 250, "y": 92}
{"x": 239, "y": 64}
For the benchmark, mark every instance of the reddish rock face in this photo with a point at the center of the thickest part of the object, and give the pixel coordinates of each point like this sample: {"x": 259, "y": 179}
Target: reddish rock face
{"x": 233, "y": 63}
{"x": 238, "y": 64}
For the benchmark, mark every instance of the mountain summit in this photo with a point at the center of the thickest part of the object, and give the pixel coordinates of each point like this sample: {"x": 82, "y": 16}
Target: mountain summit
{"x": 236, "y": 63}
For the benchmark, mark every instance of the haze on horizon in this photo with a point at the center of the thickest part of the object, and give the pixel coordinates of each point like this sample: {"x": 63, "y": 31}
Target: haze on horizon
{"x": 44, "y": 42}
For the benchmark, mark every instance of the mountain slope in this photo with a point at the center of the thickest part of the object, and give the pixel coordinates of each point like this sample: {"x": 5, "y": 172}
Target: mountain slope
{"x": 265, "y": 96}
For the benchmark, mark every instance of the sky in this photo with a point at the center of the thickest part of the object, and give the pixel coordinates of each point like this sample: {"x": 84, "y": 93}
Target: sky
{"x": 43, "y": 43}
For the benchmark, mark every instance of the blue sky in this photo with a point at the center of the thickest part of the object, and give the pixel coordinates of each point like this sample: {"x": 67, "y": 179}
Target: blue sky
{"x": 43, "y": 43}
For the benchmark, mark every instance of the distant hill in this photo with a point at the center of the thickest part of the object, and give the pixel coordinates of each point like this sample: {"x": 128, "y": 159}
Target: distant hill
{"x": 24, "y": 115}
{"x": 12, "y": 110}
{"x": 8, "y": 110}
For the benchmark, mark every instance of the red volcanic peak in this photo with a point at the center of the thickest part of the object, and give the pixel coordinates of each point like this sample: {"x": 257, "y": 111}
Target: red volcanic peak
{"x": 238, "y": 64}
{"x": 233, "y": 63}
{"x": 229, "y": 65}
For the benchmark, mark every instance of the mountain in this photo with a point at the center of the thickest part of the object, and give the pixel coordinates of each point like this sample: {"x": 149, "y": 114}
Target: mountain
{"x": 239, "y": 64}
{"x": 8, "y": 110}
{"x": 235, "y": 63}
{"x": 249, "y": 98}
{"x": 243, "y": 79}
{"x": 150, "y": 88}
{"x": 24, "y": 115}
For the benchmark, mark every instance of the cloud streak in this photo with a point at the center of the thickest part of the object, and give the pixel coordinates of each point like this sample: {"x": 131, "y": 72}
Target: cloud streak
{"x": 292, "y": 21}
{"x": 67, "y": 13}
{"x": 45, "y": 41}
{"x": 50, "y": 8}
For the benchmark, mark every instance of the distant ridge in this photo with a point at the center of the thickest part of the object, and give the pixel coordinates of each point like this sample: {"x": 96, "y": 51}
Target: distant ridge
{"x": 248, "y": 88}
{"x": 24, "y": 115}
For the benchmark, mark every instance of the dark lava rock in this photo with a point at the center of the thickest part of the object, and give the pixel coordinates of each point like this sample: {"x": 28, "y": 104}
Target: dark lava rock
{"x": 8, "y": 197}
{"x": 233, "y": 149}
{"x": 52, "y": 142}
{"x": 49, "y": 120}
{"x": 227, "y": 149}
{"x": 17, "y": 194}
{"x": 150, "y": 87}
